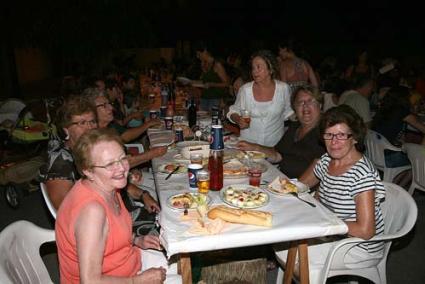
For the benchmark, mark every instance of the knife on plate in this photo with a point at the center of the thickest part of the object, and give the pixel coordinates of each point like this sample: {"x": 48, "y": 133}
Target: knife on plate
{"x": 173, "y": 172}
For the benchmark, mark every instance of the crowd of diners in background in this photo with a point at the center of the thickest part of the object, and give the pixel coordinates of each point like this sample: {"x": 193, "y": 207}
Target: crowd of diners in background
{"x": 286, "y": 96}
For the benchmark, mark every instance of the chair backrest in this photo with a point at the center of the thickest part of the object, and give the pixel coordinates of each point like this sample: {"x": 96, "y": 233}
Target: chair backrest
{"x": 47, "y": 199}
{"x": 375, "y": 145}
{"x": 416, "y": 154}
{"x": 20, "y": 260}
{"x": 399, "y": 210}
{"x": 134, "y": 149}
{"x": 400, "y": 213}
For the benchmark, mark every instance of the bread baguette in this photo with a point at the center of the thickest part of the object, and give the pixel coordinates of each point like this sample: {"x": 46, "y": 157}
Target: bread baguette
{"x": 241, "y": 216}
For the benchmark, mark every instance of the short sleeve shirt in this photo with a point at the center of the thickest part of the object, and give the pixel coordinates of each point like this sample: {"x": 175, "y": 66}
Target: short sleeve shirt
{"x": 338, "y": 193}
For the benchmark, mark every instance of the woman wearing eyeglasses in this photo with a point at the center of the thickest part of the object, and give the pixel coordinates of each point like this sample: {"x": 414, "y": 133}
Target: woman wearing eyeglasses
{"x": 74, "y": 118}
{"x": 93, "y": 227}
{"x": 349, "y": 185}
{"x": 301, "y": 143}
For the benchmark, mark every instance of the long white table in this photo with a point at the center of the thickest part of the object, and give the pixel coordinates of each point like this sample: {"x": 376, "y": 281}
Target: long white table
{"x": 293, "y": 220}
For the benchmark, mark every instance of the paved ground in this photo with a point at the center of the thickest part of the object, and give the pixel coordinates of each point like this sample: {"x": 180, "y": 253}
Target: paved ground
{"x": 405, "y": 262}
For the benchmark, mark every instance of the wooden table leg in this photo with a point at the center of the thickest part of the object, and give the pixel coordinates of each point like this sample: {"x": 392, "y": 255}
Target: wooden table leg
{"x": 185, "y": 268}
{"x": 303, "y": 263}
{"x": 290, "y": 263}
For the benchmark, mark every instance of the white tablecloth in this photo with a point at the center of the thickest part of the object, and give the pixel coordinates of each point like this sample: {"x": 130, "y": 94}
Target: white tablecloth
{"x": 292, "y": 219}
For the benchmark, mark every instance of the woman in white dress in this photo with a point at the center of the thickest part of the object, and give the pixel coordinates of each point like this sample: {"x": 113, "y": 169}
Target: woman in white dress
{"x": 266, "y": 100}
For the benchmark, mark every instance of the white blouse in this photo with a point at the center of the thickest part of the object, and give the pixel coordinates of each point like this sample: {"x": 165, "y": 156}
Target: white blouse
{"x": 267, "y": 118}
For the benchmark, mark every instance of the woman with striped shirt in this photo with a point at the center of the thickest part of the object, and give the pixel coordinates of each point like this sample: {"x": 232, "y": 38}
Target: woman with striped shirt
{"x": 349, "y": 185}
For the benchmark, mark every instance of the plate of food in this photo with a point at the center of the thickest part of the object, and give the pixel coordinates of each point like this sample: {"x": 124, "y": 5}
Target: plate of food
{"x": 244, "y": 196}
{"x": 254, "y": 155}
{"x": 170, "y": 167}
{"x": 283, "y": 186}
{"x": 234, "y": 169}
{"x": 187, "y": 200}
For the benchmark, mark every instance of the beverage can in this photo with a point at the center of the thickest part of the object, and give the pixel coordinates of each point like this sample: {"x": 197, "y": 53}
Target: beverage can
{"x": 179, "y": 135}
{"x": 168, "y": 122}
{"x": 217, "y": 137}
{"x": 153, "y": 113}
{"x": 192, "y": 170}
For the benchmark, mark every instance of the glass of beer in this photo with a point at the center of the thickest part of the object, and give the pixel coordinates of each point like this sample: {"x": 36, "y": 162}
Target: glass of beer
{"x": 246, "y": 116}
{"x": 203, "y": 181}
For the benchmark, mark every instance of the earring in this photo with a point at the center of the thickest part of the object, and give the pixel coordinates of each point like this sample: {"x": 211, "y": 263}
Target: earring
{"x": 67, "y": 135}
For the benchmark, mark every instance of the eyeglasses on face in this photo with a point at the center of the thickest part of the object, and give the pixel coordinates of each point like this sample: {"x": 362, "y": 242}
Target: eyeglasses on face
{"x": 83, "y": 123}
{"x": 114, "y": 165}
{"x": 104, "y": 105}
{"x": 305, "y": 103}
{"x": 338, "y": 136}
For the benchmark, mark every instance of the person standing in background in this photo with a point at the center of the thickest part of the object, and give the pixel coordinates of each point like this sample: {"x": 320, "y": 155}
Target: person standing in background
{"x": 293, "y": 70}
{"x": 214, "y": 78}
{"x": 265, "y": 99}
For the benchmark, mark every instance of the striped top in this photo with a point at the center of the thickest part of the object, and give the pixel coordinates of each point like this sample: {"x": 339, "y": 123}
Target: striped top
{"x": 338, "y": 193}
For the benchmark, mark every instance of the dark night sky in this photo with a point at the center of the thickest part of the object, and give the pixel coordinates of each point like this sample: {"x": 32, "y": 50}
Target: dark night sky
{"x": 89, "y": 25}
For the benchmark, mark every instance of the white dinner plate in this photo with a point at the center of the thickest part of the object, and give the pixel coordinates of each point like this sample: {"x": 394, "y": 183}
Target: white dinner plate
{"x": 244, "y": 196}
{"x": 302, "y": 188}
{"x": 163, "y": 168}
{"x": 193, "y": 205}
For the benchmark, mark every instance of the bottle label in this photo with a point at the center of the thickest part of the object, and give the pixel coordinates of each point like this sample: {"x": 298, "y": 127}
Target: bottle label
{"x": 216, "y": 142}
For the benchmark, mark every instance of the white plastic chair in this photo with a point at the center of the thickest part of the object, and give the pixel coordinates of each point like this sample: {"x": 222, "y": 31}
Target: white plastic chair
{"x": 375, "y": 145}
{"x": 20, "y": 260}
{"x": 47, "y": 200}
{"x": 399, "y": 211}
{"x": 416, "y": 154}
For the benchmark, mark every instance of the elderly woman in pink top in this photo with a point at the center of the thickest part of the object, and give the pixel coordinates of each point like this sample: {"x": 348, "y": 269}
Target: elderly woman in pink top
{"x": 93, "y": 228}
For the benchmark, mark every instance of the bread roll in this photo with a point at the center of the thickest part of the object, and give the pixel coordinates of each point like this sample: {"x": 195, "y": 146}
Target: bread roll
{"x": 241, "y": 216}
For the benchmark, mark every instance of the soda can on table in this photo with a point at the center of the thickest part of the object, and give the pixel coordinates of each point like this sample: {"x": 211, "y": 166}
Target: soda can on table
{"x": 153, "y": 113}
{"x": 162, "y": 111}
{"x": 179, "y": 135}
{"x": 192, "y": 170}
{"x": 217, "y": 137}
{"x": 168, "y": 120}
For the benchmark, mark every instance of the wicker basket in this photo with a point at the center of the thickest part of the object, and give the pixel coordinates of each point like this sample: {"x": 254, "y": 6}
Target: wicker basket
{"x": 241, "y": 272}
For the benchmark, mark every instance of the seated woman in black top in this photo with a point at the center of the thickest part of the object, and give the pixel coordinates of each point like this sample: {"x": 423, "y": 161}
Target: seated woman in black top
{"x": 300, "y": 144}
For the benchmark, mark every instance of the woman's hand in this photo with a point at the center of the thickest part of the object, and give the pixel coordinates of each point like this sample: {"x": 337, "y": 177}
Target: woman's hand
{"x": 153, "y": 122}
{"x": 155, "y": 152}
{"x": 152, "y": 275}
{"x": 150, "y": 204}
{"x": 246, "y": 146}
{"x": 148, "y": 242}
{"x": 239, "y": 121}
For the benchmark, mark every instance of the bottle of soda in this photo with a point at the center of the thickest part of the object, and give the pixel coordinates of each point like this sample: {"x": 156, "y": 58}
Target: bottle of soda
{"x": 215, "y": 162}
{"x": 191, "y": 113}
{"x": 215, "y": 166}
